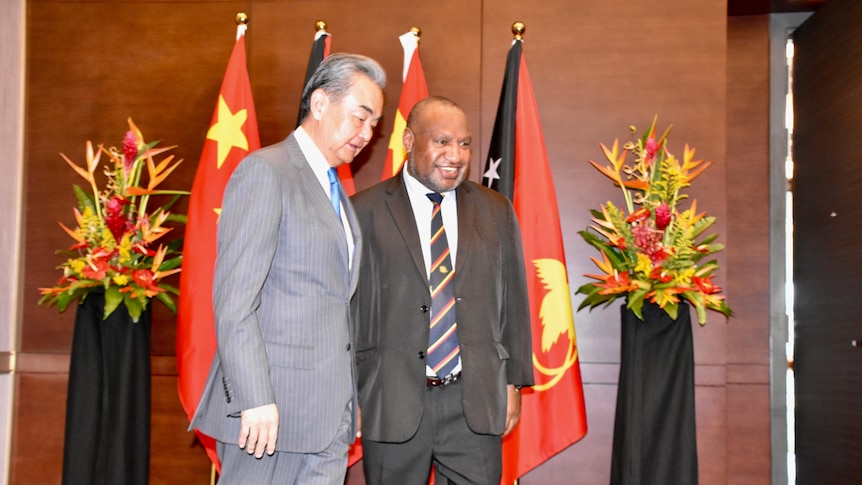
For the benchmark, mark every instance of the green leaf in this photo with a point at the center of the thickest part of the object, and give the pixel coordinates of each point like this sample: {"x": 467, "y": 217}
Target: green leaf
{"x": 134, "y": 306}
{"x": 85, "y": 199}
{"x": 171, "y": 263}
{"x": 169, "y": 288}
{"x": 672, "y": 310}
{"x": 178, "y": 218}
{"x": 113, "y": 298}
{"x": 614, "y": 256}
{"x": 168, "y": 301}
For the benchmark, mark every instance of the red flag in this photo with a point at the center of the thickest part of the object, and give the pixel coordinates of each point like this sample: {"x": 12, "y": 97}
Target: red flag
{"x": 319, "y": 51}
{"x": 413, "y": 89}
{"x": 231, "y": 136}
{"x": 553, "y": 415}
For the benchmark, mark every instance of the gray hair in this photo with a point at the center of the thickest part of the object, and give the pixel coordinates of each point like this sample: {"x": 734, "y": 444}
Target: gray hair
{"x": 335, "y": 76}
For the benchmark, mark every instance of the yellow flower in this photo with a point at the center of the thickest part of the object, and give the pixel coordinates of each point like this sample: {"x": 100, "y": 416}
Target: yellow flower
{"x": 644, "y": 265}
{"x": 125, "y": 249}
{"x": 76, "y": 265}
{"x": 683, "y": 276}
{"x": 120, "y": 279}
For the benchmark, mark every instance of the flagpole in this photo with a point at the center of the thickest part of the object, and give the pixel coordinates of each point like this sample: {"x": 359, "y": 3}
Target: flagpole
{"x": 241, "y": 20}
{"x": 518, "y": 29}
{"x": 241, "y": 23}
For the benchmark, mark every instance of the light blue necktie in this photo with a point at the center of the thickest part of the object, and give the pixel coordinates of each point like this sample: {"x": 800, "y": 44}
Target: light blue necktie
{"x": 334, "y": 192}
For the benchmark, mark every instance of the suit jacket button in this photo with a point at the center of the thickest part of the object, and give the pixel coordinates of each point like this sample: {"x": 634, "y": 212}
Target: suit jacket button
{"x": 423, "y": 308}
{"x": 421, "y": 354}
{"x": 348, "y": 347}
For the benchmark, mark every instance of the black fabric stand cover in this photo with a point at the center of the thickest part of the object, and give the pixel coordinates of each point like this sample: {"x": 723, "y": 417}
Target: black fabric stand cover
{"x": 654, "y": 429}
{"x": 107, "y": 439}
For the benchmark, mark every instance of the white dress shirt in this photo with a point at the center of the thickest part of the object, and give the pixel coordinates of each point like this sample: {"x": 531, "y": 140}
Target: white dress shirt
{"x": 320, "y": 167}
{"x": 422, "y": 207}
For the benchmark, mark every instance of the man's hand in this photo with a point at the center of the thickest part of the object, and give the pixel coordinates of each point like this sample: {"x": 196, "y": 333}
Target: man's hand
{"x": 259, "y": 430}
{"x": 513, "y": 408}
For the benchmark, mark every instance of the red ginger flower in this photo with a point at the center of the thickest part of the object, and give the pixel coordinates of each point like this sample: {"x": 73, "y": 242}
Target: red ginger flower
{"x": 651, "y": 149}
{"x": 114, "y": 218}
{"x": 130, "y": 151}
{"x": 662, "y": 216}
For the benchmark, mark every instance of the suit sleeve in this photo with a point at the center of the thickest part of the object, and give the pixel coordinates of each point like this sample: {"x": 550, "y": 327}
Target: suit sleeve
{"x": 517, "y": 330}
{"x": 247, "y": 240}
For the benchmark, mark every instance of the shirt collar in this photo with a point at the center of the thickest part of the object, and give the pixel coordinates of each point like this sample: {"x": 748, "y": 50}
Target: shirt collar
{"x": 313, "y": 154}
{"x": 417, "y": 188}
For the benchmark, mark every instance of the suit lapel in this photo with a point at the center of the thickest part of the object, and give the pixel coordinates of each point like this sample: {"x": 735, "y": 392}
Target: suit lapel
{"x": 402, "y": 213}
{"x": 357, "y": 239}
{"x": 320, "y": 204}
{"x": 466, "y": 228}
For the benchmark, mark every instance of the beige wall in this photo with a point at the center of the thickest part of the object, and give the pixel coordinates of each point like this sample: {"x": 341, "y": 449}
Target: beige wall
{"x": 12, "y": 29}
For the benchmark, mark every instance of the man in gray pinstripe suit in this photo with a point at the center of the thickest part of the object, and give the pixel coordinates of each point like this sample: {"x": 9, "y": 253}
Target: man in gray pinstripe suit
{"x": 280, "y": 399}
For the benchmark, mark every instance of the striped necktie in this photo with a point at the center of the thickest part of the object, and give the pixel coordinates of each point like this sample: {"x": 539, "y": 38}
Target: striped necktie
{"x": 334, "y": 193}
{"x": 443, "y": 345}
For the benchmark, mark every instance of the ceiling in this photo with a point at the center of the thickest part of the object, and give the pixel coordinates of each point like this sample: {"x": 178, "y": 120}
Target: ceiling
{"x": 761, "y": 7}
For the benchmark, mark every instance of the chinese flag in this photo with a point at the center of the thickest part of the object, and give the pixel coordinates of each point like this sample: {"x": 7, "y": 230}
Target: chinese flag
{"x": 413, "y": 90}
{"x": 552, "y": 412}
{"x": 231, "y": 136}
{"x": 319, "y": 51}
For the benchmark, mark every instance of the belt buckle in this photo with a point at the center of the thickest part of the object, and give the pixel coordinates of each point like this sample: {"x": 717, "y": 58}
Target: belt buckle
{"x": 437, "y": 382}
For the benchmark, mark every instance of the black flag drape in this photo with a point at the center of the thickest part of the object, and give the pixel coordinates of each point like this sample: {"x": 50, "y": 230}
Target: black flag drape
{"x": 500, "y": 167}
{"x": 319, "y": 50}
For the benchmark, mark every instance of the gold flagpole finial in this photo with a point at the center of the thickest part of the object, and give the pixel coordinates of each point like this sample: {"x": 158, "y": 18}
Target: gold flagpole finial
{"x": 518, "y": 29}
{"x": 320, "y": 26}
{"x": 416, "y": 31}
{"x": 241, "y": 18}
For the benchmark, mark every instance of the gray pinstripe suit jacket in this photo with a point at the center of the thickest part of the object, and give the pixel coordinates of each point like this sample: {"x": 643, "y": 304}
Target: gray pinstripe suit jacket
{"x": 281, "y": 298}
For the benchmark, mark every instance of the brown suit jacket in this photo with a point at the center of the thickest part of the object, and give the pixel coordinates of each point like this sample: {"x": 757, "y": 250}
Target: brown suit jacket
{"x": 392, "y": 303}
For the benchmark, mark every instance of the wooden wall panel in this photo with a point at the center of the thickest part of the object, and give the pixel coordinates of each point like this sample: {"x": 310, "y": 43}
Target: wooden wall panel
{"x": 37, "y": 431}
{"x": 747, "y": 284}
{"x": 597, "y": 67}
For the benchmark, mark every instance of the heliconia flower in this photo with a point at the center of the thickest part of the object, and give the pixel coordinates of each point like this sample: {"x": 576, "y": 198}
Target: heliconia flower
{"x": 705, "y": 285}
{"x": 617, "y": 283}
{"x": 143, "y": 277}
{"x": 638, "y": 215}
{"x": 662, "y": 275}
{"x": 96, "y": 269}
{"x": 662, "y": 216}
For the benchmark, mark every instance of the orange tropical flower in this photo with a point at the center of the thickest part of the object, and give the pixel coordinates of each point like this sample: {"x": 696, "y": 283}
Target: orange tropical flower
{"x": 652, "y": 247}
{"x": 115, "y": 238}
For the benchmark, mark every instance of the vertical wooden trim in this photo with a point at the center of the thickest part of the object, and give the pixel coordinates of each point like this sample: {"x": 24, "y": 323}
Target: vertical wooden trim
{"x": 12, "y": 29}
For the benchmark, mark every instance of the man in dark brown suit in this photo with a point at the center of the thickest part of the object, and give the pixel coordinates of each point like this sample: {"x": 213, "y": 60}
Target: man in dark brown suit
{"x": 415, "y": 411}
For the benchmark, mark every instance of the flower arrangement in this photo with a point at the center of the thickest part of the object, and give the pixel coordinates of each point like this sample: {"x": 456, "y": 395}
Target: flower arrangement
{"x": 652, "y": 249}
{"x": 115, "y": 238}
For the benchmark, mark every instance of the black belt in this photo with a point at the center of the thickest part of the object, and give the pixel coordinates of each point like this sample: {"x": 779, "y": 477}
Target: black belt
{"x": 434, "y": 382}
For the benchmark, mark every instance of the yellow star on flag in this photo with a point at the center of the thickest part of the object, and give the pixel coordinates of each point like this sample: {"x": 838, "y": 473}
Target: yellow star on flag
{"x": 227, "y": 131}
{"x": 396, "y": 141}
